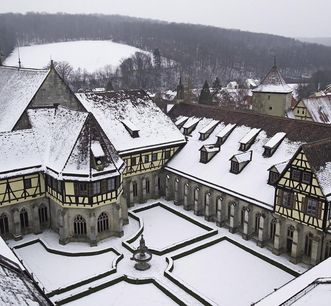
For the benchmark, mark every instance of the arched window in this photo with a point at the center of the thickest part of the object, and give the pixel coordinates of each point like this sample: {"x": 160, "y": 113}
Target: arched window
{"x": 4, "y": 229}
{"x": 24, "y": 218}
{"x": 257, "y": 222}
{"x": 308, "y": 244}
{"x": 134, "y": 189}
{"x": 79, "y": 226}
{"x": 327, "y": 252}
{"x": 272, "y": 230}
{"x": 43, "y": 216}
{"x": 103, "y": 223}
{"x": 147, "y": 184}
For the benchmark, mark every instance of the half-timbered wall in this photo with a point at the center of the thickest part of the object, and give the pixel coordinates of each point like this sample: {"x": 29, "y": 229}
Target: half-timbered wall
{"x": 21, "y": 188}
{"x": 300, "y": 112}
{"x": 299, "y": 196}
{"x": 143, "y": 162}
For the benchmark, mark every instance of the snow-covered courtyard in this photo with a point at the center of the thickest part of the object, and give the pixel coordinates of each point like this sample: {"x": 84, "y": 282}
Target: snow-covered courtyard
{"x": 229, "y": 275}
{"x": 163, "y": 228}
{"x": 219, "y": 273}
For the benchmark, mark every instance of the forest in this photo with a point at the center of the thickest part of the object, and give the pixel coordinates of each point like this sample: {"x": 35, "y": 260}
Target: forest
{"x": 196, "y": 52}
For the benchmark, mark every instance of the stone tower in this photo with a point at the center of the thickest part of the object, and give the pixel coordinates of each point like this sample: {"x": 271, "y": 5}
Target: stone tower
{"x": 180, "y": 92}
{"x": 273, "y": 96}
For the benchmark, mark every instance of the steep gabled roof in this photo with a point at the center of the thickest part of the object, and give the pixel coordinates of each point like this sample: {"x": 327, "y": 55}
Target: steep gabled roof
{"x": 114, "y": 107}
{"x": 273, "y": 82}
{"x": 319, "y": 108}
{"x": 319, "y": 158}
{"x": 17, "y": 88}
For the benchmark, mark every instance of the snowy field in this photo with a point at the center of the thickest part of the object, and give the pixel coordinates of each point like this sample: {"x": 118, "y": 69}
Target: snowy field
{"x": 163, "y": 228}
{"x": 57, "y": 271}
{"x": 229, "y": 275}
{"x": 87, "y": 54}
{"x": 126, "y": 294}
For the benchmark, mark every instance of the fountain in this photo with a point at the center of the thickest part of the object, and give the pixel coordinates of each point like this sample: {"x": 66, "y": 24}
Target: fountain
{"x": 142, "y": 255}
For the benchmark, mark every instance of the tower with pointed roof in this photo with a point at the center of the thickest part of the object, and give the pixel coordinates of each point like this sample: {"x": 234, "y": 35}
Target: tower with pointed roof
{"x": 273, "y": 96}
{"x": 180, "y": 91}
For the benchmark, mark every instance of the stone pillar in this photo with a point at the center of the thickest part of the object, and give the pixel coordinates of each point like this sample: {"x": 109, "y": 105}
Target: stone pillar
{"x": 63, "y": 226}
{"x": 143, "y": 182}
{"x": 261, "y": 235}
{"x": 277, "y": 247}
{"x": 187, "y": 197}
{"x": 245, "y": 233}
{"x": 233, "y": 226}
{"x": 208, "y": 212}
{"x": 168, "y": 188}
{"x": 315, "y": 251}
{"x": 93, "y": 229}
{"x": 117, "y": 227}
{"x": 35, "y": 219}
{"x": 197, "y": 205}
{"x": 177, "y": 192}
{"x": 295, "y": 251}
{"x": 219, "y": 212}
{"x": 17, "y": 231}
{"x": 156, "y": 192}
{"x": 128, "y": 193}
{"x": 124, "y": 210}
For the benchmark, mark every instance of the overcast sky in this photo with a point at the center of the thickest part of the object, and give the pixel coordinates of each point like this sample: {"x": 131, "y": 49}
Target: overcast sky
{"x": 295, "y": 18}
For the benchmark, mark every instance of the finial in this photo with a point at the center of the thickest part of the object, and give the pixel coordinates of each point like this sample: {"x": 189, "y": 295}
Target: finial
{"x": 19, "y": 56}
{"x": 52, "y": 64}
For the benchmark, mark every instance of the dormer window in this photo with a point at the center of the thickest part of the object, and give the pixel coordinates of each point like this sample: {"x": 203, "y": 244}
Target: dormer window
{"x": 208, "y": 129}
{"x": 131, "y": 128}
{"x": 190, "y": 125}
{"x": 223, "y": 135}
{"x": 273, "y": 143}
{"x": 207, "y": 152}
{"x": 248, "y": 139}
{"x": 240, "y": 161}
{"x": 275, "y": 172}
{"x": 98, "y": 154}
{"x": 181, "y": 121}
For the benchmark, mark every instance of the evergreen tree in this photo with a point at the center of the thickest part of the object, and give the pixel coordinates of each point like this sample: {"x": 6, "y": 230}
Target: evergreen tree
{"x": 217, "y": 83}
{"x": 205, "y": 96}
{"x": 109, "y": 86}
{"x": 180, "y": 90}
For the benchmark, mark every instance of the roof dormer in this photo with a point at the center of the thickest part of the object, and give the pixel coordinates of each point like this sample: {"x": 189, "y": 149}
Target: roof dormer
{"x": 275, "y": 171}
{"x": 273, "y": 143}
{"x": 190, "y": 125}
{"x": 131, "y": 128}
{"x": 248, "y": 139}
{"x": 225, "y": 133}
{"x": 98, "y": 155}
{"x": 240, "y": 161}
{"x": 181, "y": 121}
{"x": 208, "y": 129}
{"x": 207, "y": 152}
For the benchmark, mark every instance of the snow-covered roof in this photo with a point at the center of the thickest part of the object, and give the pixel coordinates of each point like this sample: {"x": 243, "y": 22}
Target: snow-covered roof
{"x": 180, "y": 121}
{"x": 289, "y": 292}
{"x": 17, "y": 88}
{"x": 212, "y": 124}
{"x": 227, "y": 129}
{"x": 273, "y": 83}
{"x": 58, "y": 143}
{"x": 280, "y": 166}
{"x": 275, "y": 140}
{"x": 210, "y": 148}
{"x": 191, "y": 122}
{"x": 319, "y": 108}
{"x": 111, "y": 108}
{"x": 19, "y": 152}
{"x": 250, "y": 136}
{"x": 252, "y": 183}
{"x": 97, "y": 149}
{"x": 243, "y": 157}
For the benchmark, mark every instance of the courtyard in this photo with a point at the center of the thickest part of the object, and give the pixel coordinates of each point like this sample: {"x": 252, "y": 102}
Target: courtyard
{"x": 194, "y": 263}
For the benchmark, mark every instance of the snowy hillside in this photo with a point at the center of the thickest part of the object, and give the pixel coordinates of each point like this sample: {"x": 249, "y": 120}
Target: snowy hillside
{"x": 88, "y": 54}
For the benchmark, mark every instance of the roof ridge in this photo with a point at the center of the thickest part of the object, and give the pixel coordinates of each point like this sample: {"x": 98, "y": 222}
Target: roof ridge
{"x": 24, "y": 68}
